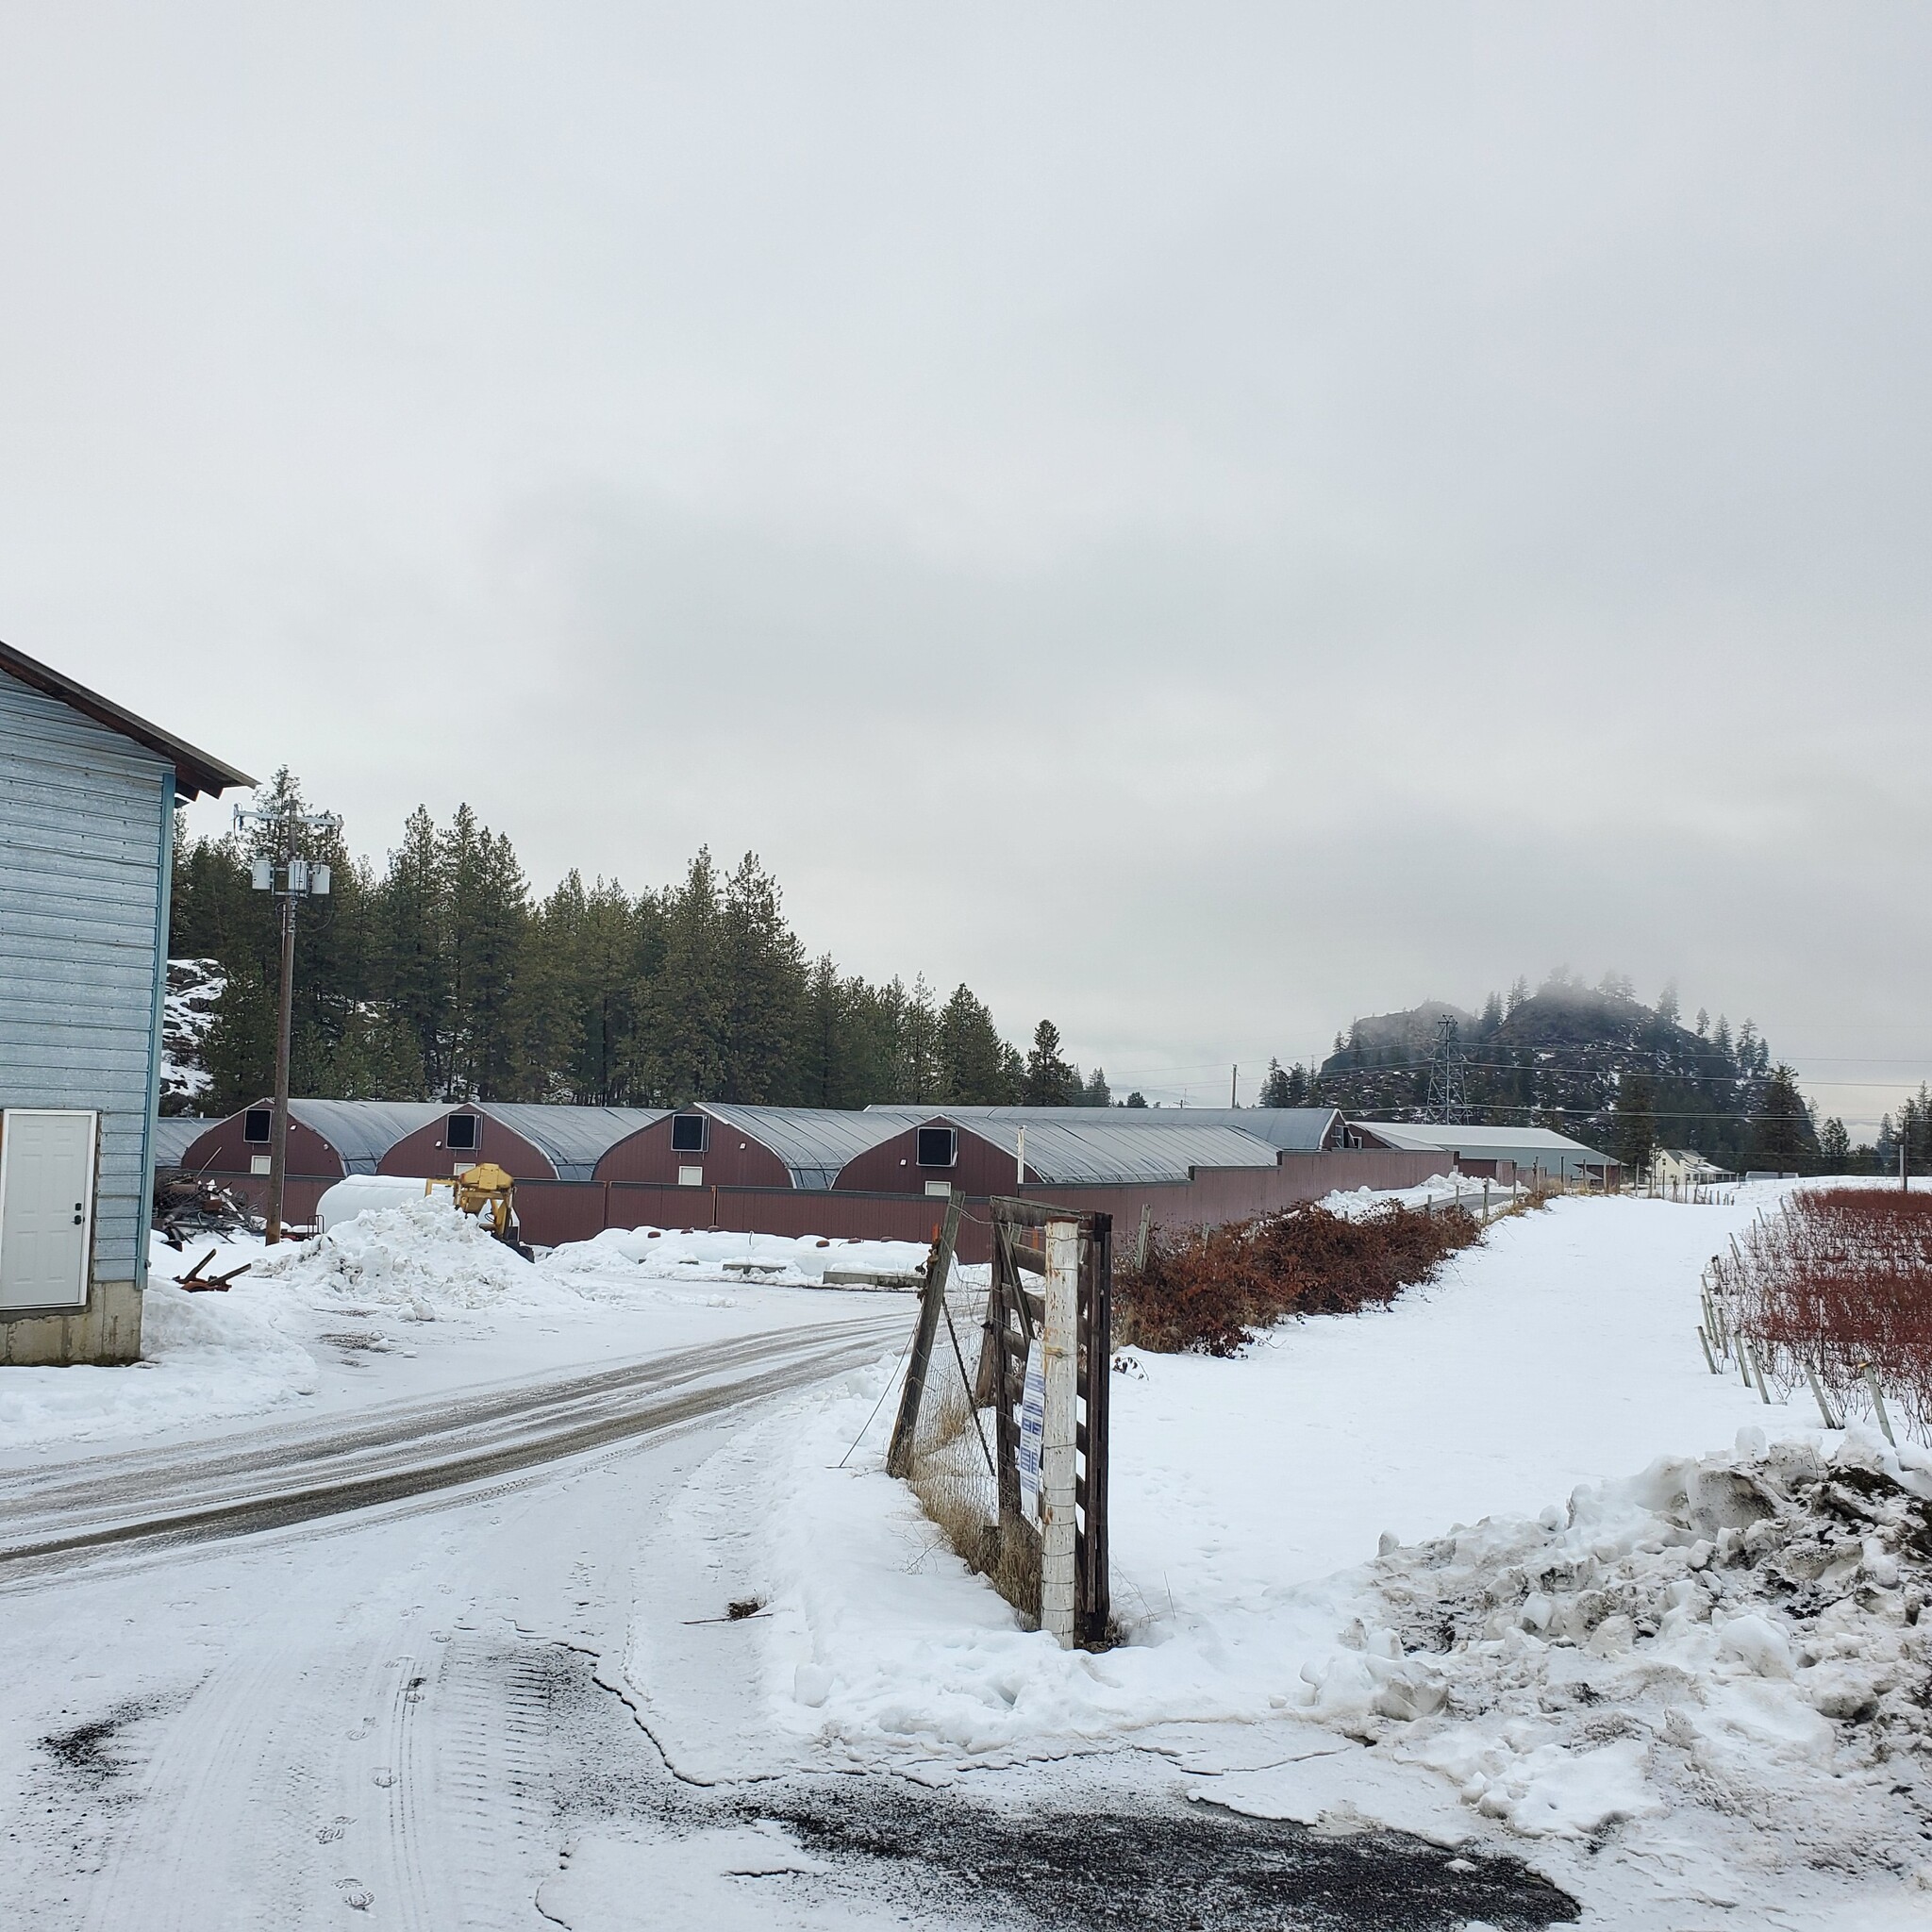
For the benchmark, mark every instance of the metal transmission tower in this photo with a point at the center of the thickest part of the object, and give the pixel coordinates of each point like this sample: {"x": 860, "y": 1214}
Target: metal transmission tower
{"x": 1448, "y": 1101}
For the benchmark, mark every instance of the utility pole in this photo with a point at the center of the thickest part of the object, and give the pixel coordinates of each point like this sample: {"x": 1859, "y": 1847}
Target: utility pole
{"x": 1234, "y": 1085}
{"x": 289, "y": 877}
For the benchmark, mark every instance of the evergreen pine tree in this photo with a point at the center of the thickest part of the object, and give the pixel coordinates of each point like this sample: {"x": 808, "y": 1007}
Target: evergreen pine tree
{"x": 973, "y": 1066}
{"x": 1784, "y": 1138}
{"x": 1634, "y": 1123}
{"x": 1050, "y": 1081}
{"x": 765, "y": 981}
{"x": 684, "y": 1052}
{"x": 1274, "y": 1087}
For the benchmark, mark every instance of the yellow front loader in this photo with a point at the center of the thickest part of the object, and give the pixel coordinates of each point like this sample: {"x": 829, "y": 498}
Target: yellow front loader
{"x": 487, "y": 1194}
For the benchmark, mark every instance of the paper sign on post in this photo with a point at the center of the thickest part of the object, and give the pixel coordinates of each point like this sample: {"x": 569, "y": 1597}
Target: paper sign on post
{"x": 1032, "y": 1422}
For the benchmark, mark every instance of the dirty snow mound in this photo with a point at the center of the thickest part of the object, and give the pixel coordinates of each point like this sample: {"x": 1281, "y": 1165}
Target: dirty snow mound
{"x": 1739, "y": 1633}
{"x": 421, "y": 1256}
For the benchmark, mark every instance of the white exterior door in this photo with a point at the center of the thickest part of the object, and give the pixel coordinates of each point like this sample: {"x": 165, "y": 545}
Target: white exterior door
{"x": 46, "y": 1206}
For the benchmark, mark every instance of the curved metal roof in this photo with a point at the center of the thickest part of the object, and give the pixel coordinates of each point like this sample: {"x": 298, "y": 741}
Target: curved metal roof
{"x": 1070, "y": 1154}
{"x": 363, "y": 1131}
{"x": 173, "y": 1134}
{"x": 1293, "y": 1129}
{"x": 1095, "y": 1146}
{"x": 814, "y": 1142}
{"x": 573, "y": 1138}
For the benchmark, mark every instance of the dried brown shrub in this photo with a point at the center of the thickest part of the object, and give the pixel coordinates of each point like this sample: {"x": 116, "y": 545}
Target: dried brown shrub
{"x": 1836, "y": 1279}
{"x": 1211, "y": 1289}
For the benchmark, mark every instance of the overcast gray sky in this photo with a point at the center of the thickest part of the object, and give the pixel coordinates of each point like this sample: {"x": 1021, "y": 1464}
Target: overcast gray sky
{"x": 1199, "y": 521}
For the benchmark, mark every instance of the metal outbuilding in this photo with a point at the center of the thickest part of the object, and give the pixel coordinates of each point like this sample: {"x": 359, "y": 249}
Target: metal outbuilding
{"x": 1073, "y": 1147}
{"x": 1291, "y": 1129}
{"x": 1485, "y": 1149}
{"x": 530, "y": 1140}
{"x": 88, "y": 791}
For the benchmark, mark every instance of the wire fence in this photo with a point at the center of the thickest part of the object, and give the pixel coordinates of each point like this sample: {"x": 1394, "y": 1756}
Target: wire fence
{"x": 1831, "y": 1292}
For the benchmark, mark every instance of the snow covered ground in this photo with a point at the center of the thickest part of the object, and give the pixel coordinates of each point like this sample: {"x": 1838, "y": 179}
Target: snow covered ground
{"x": 1501, "y": 1568}
{"x": 1276, "y": 1521}
{"x": 405, "y": 1300}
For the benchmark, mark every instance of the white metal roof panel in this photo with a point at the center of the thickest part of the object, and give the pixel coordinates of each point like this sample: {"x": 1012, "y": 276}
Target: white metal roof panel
{"x": 1484, "y": 1142}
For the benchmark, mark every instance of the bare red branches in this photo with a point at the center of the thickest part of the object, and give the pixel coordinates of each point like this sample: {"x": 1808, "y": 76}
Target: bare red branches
{"x": 1211, "y": 1289}
{"x": 1839, "y": 1280}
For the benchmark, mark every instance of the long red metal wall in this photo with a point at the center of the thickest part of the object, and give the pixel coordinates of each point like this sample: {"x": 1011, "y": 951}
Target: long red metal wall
{"x": 555, "y": 1211}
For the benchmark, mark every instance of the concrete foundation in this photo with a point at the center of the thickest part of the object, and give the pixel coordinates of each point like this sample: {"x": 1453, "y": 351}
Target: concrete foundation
{"x": 107, "y": 1330}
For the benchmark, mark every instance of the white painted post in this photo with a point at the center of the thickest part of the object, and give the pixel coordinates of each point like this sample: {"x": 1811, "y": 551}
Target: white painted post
{"x": 1061, "y": 1338}
{"x": 1020, "y": 1178}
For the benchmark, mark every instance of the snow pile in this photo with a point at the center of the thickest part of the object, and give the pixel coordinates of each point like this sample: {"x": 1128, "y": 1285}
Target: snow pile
{"x": 1438, "y": 1191}
{"x": 418, "y": 1255}
{"x": 1741, "y": 1632}
{"x": 203, "y": 1357}
{"x": 620, "y": 1255}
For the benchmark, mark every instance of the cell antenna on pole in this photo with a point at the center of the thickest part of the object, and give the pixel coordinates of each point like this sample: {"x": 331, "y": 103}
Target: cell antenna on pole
{"x": 1448, "y": 1099}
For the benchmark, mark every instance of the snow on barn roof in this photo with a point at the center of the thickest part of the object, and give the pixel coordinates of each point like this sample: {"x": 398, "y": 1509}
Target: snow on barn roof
{"x": 814, "y": 1142}
{"x": 363, "y": 1131}
{"x": 572, "y": 1138}
{"x": 1291, "y": 1129}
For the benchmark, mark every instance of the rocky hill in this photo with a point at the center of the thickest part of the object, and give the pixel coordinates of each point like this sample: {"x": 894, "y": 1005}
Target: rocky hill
{"x": 1591, "y": 1061}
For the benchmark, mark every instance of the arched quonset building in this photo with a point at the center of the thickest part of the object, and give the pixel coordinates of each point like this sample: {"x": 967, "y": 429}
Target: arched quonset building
{"x": 530, "y": 1142}
{"x": 328, "y": 1139}
{"x": 799, "y": 1171}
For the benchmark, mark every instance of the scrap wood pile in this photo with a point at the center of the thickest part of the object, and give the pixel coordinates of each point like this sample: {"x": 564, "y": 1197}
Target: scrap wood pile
{"x": 1209, "y": 1291}
{"x": 187, "y": 1205}
{"x": 1833, "y": 1290}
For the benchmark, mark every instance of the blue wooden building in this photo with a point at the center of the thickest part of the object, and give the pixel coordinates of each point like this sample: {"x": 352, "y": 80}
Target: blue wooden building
{"x": 87, "y": 820}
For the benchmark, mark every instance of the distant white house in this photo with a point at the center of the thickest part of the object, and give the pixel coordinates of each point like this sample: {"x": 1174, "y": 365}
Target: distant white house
{"x": 1686, "y": 1167}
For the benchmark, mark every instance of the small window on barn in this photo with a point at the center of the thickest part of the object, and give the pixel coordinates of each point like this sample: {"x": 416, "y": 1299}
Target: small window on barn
{"x": 462, "y": 1130}
{"x": 256, "y": 1124}
{"x": 938, "y": 1146}
{"x": 688, "y": 1133}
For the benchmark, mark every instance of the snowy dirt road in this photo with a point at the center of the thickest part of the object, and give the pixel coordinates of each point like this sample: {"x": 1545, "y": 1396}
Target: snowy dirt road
{"x": 289, "y": 1474}
{"x": 345, "y": 1702}
{"x": 415, "y": 1707}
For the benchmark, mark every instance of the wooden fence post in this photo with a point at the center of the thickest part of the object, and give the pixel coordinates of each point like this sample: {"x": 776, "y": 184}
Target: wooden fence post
{"x": 1059, "y": 1443}
{"x": 939, "y": 1266}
